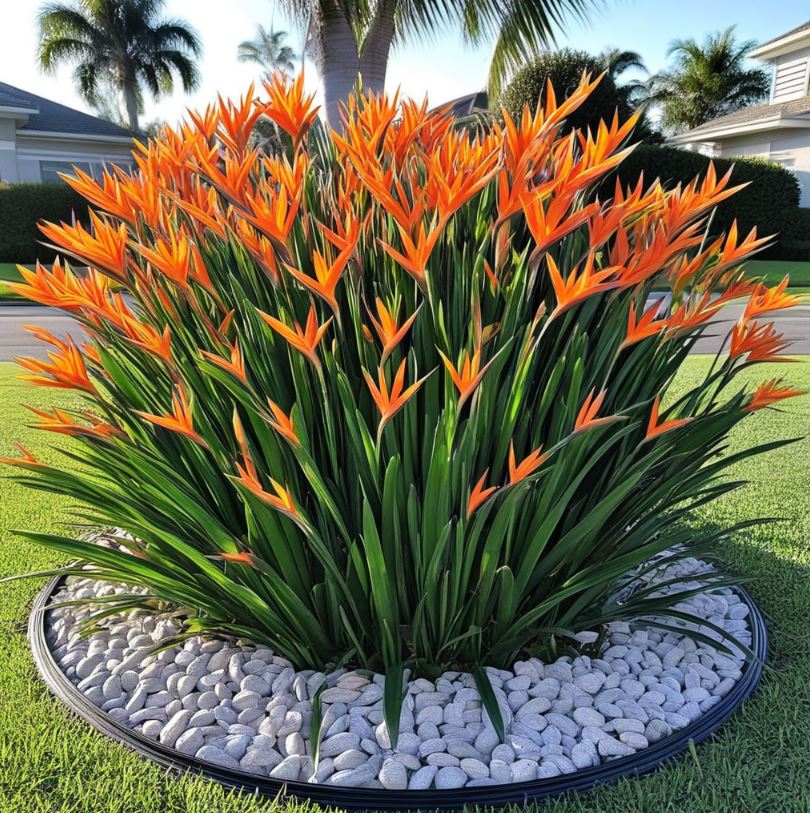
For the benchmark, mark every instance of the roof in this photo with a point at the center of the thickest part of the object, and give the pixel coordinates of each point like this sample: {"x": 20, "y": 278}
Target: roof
{"x": 52, "y": 117}
{"x": 795, "y": 108}
{"x": 467, "y": 105}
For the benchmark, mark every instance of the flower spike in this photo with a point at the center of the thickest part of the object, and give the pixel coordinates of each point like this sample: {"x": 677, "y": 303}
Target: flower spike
{"x": 654, "y": 429}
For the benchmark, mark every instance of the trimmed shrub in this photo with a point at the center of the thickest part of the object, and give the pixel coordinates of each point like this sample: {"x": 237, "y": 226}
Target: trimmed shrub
{"x": 769, "y": 202}
{"x": 794, "y": 236}
{"x": 565, "y": 68}
{"x": 22, "y": 207}
{"x": 394, "y": 398}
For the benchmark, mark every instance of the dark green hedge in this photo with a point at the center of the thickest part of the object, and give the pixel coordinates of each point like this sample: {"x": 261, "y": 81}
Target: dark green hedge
{"x": 770, "y": 201}
{"x": 22, "y": 206}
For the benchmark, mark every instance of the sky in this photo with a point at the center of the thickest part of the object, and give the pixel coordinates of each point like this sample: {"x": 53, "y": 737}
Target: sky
{"x": 442, "y": 69}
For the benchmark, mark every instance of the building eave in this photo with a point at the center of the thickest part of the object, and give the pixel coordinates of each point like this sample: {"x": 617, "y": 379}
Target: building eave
{"x": 108, "y": 139}
{"x": 718, "y": 133}
{"x": 781, "y": 46}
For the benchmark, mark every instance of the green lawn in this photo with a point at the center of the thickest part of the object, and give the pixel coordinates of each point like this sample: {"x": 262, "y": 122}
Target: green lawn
{"x": 51, "y": 762}
{"x": 774, "y": 271}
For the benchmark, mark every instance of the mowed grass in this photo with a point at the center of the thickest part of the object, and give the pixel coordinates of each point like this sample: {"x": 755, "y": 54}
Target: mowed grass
{"x": 774, "y": 271}
{"x": 51, "y": 762}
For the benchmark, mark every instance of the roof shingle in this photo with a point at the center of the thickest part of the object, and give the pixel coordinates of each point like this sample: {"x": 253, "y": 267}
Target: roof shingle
{"x": 56, "y": 118}
{"x": 749, "y": 115}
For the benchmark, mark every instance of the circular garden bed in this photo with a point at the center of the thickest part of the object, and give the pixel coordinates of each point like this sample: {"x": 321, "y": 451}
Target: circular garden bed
{"x": 243, "y": 716}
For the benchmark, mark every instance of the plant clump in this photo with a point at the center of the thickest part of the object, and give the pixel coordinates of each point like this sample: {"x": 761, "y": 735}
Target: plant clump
{"x": 397, "y": 397}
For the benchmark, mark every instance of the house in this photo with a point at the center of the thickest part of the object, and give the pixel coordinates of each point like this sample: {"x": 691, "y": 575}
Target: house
{"x": 778, "y": 131}
{"x": 40, "y": 138}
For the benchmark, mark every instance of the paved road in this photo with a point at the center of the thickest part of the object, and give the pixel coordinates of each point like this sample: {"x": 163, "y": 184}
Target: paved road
{"x": 15, "y": 340}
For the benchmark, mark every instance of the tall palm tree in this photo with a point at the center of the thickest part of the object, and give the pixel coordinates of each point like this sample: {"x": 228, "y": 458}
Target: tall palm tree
{"x": 126, "y": 42}
{"x": 351, "y": 37}
{"x": 708, "y": 80}
{"x": 268, "y": 50}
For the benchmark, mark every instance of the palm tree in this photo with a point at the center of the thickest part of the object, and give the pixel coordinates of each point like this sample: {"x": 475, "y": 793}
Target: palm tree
{"x": 707, "y": 80}
{"x": 126, "y": 42}
{"x": 347, "y": 38}
{"x": 616, "y": 63}
{"x": 267, "y": 49}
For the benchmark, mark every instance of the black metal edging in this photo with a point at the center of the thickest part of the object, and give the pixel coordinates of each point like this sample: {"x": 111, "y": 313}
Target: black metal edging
{"x": 644, "y": 761}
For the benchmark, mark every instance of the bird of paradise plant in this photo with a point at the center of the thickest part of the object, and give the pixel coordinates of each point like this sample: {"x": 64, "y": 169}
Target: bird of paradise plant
{"x": 396, "y": 397}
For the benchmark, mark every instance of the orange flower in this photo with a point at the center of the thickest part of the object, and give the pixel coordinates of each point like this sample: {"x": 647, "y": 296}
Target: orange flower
{"x": 104, "y": 248}
{"x": 66, "y": 369}
{"x": 282, "y": 423}
{"x": 586, "y": 418}
{"x": 579, "y": 286}
{"x": 237, "y": 121}
{"x": 304, "y": 341}
{"x": 235, "y": 365}
{"x": 468, "y": 378}
{"x": 272, "y": 212}
{"x": 694, "y": 312}
{"x": 327, "y": 277}
{"x": 550, "y": 223}
{"x": 147, "y": 337}
{"x": 459, "y": 168}
{"x": 645, "y": 327}
{"x": 654, "y": 429}
{"x": 769, "y": 393}
{"x": 27, "y": 461}
{"x": 389, "y": 403}
{"x": 387, "y": 329}
{"x": 416, "y": 256}
{"x": 241, "y": 558}
{"x": 179, "y": 421}
{"x": 107, "y": 195}
{"x": 282, "y": 500}
{"x": 766, "y": 300}
{"x": 288, "y": 107}
{"x": 178, "y": 258}
{"x": 527, "y": 466}
{"x": 61, "y": 422}
{"x": 760, "y": 341}
{"x": 479, "y": 495}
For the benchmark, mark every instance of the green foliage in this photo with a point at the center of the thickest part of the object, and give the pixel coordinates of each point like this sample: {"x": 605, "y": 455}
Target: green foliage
{"x": 22, "y": 207}
{"x": 708, "y": 80}
{"x": 564, "y": 68}
{"x": 770, "y": 200}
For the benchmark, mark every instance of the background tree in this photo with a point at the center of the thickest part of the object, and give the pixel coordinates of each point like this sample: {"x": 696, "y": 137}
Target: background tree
{"x": 350, "y": 37}
{"x": 125, "y": 42}
{"x": 564, "y": 68}
{"x": 268, "y": 50}
{"x": 617, "y": 62}
{"x": 708, "y": 80}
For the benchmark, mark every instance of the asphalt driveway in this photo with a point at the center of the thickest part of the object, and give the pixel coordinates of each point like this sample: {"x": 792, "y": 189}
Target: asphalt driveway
{"x": 16, "y": 341}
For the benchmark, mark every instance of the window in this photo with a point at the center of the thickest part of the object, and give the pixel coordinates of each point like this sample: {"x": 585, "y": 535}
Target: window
{"x": 49, "y": 170}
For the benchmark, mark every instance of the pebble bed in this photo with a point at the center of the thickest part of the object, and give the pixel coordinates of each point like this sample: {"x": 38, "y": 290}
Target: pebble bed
{"x": 243, "y": 707}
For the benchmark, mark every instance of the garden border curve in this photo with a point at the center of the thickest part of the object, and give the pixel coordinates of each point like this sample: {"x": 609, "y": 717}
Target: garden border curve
{"x": 643, "y": 761}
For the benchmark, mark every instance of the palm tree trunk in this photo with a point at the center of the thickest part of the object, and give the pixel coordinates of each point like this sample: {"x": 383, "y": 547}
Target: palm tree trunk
{"x": 338, "y": 60}
{"x": 377, "y": 48}
{"x": 131, "y": 100}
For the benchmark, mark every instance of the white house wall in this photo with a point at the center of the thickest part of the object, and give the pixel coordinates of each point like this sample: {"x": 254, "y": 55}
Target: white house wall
{"x": 8, "y": 154}
{"x": 790, "y": 76}
{"x": 31, "y": 151}
{"x": 789, "y": 148}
